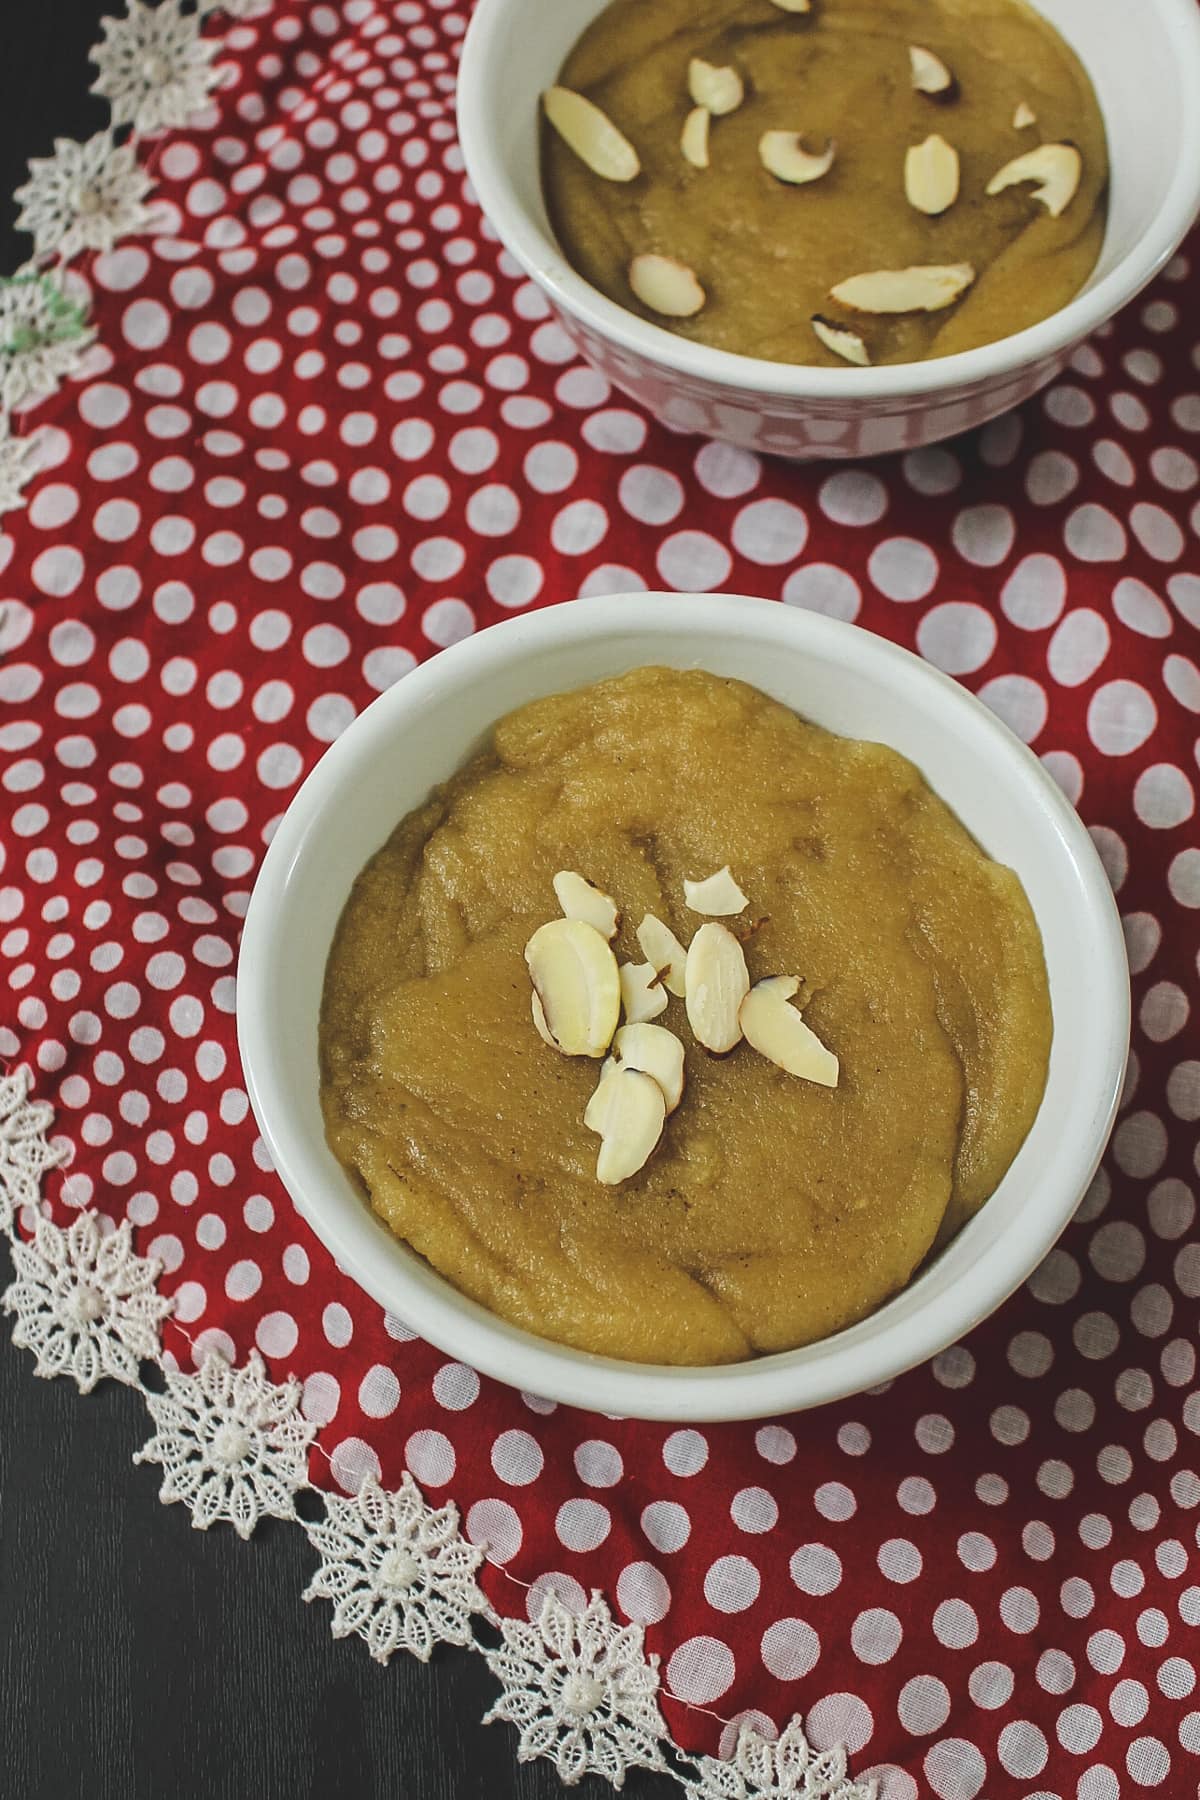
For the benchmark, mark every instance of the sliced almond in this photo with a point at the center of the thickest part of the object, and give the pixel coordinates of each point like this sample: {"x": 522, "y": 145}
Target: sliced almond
{"x": 539, "y": 1019}
{"x": 627, "y": 1112}
{"x": 720, "y": 90}
{"x": 655, "y": 1051}
{"x": 666, "y": 286}
{"x": 643, "y": 996}
{"x": 777, "y": 1031}
{"x": 1024, "y": 116}
{"x": 663, "y": 949}
{"x": 930, "y": 75}
{"x": 694, "y": 137}
{"x": 786, "y": 986}
{"x": 925, "y": 288}
{"x": 574, "y": 974}
{"x": 783, "y": 155}
{"x": 841, "y": 340}
{"x": 580, "y": 900}
{"x": 1055, "y": 167}
{"x": 591, "y": 134}
{"x": 793, "y": 6}
{"x": 931, "y": 175}
{"x": 717, "y": 896}
{"x": 717, "y": 983}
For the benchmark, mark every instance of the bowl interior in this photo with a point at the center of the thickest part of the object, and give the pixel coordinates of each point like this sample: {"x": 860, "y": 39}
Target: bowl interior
{"x": 1141, "y": 61}
{"x": 843, "y": 678}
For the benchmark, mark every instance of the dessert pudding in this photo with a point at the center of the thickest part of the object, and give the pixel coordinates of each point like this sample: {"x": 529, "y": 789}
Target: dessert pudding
{"x": 837, "y": 182}
{"x": 678, "y": 1029}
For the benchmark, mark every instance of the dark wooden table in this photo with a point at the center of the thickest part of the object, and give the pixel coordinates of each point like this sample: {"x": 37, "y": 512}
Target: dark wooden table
{"x": 140, "y": 1659}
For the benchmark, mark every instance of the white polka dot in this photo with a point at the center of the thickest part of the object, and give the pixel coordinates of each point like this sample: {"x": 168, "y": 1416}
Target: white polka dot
{"x": 1022, "y": 1748}
{"x": 447, "y": 622}
{"x": 957, "y": 636}
{"x": 816, "y": 1569}
{"x": 824, "y": 588}
{"x": 337, "y": 1324}
{"x": 1050, "y": 477}
{"x": 955, "y": 1624}
{"x": 582, "y": 1525}
{"x": 768, "y": 531}
{"x": 1093, "y": 534}
{"x": 722, "y": 469}
{"x": 277, "y": 1334}
{"x": 1157, "y": 532}
{"x": 1020, "y": 702}
{"x": 731, "y": 1584}
{"x": 903, "y": 568}
{"x": 642, "y": 1593}
{"x": 839, "y": 1719}
{"x": 145, "y": 324}
{"x": 984, "y": 535}
{"x": 497, "y": 1526}
{"x": 514, "y": 581}
{"x": 1121, "y": 717}
{"x": 789, "y": 1649}
{"x": 430, "y": 1457}
{"x": 378, "y": 1392}
{"x": 685, "y": 1452}
{"x": 924, "y": 1705}
{"x": 700, "y": 1670}
{"x": 351, "y": 1463}
{"x": 955, "y": 1769}
{"x": 932, "y": 471}
{"x": 578, "y": 527}
{"x": 899, "y": 1560}
{"x": 243, "y": 1280}
{"x": 693, "y": 562}
{"x": 57, "y": 571}
{"x": 1163, "y": 797}
{"x": 875, "y": 1635}
{"x": 754, "y": 1510}
{"x": 835, "y": 1501}
{"x": 550, "y": 467}
{"x": 650, "y": 494}
{"x": 455, "y": 1387}
{"x": 1140, "y": 608}
{"x": 1035, "y": 593}
{"x": 666, "y": 1525}
{"x": 517, "y": 1458}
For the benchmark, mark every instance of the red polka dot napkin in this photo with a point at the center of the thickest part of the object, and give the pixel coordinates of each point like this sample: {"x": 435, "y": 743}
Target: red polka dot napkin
{"x": 325, "y": 428}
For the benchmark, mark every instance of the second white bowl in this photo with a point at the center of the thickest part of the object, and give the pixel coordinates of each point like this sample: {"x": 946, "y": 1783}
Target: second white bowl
{"x": 1144, "y": 61}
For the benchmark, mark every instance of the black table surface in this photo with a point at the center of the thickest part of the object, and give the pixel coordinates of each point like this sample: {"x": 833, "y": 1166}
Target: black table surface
{"x": 141, "y": 1659}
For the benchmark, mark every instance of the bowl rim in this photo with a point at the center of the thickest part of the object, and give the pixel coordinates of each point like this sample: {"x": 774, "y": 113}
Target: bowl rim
{"x": 541, "y": 258}
{"x": 832, "y": 1369}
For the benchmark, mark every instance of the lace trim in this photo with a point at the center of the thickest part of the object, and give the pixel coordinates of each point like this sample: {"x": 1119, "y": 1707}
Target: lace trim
{"x": 232, "y": 1445}
{"x": 156, "y": 71}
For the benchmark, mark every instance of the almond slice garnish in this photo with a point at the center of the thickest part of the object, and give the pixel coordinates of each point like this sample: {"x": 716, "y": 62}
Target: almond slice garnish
{"x": 931, "y": 175}
{"x": 930, "y": 75}
{"x": 574, "y": 974}
{"x": 693, "y": 139}
{"x": 841, "y": 340}
{"x": 793, "y": 6}
{"x": 580, "y": 900}
{"x": 666, "y": 286}
{"x": 591, "y": 134}
{"x": 627, "y": 1112}
{"x": 717, "y": 983}
{"x": 783, "y": 155}
{"x": 1024, "y": 116}
{"x": 717, "y": 896}
{"x": 921, "y": 289}
{"x": 539, "y": 1019}
{"x": 643, "y": 996}
{"x": 720, "y": 90}
{"x": 664, "y": 951}
{"x": 1055, "y": 167}
{"x": 777, "y": 1031}
{"x": 655, "y": 1051}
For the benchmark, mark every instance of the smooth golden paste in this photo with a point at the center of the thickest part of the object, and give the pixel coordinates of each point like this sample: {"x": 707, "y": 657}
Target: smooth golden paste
{"x": 773, "y": 1211}
{"x": 766, "y": 253}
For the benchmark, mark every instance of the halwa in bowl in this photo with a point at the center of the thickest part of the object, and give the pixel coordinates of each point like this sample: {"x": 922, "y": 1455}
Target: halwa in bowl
{"x": 845, "y": 681}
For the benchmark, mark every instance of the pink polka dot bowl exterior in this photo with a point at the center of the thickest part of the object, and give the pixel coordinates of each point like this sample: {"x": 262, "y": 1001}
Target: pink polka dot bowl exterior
{"x": 418, "y": 732}
{"x": 1144, "y": 61}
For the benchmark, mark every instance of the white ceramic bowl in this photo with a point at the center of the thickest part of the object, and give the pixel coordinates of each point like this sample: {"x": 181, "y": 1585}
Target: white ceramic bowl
{"x": 1144, "y": 60}
{"x": 421, "y": 730}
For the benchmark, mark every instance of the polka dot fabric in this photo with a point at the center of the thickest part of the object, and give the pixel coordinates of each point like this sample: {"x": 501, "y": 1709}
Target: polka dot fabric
{"x": 328, "y": 429}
